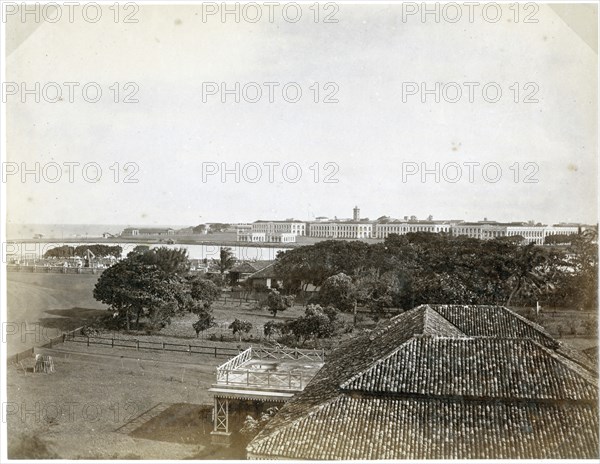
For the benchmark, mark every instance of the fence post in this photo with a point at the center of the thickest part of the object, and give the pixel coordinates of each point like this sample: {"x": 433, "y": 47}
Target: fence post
{"x": 215, "y": 351}
{"x": 163, "y": 346}
{"x": 190, "y": 349}
{"x": 88, "y": 341}
{"x": 112, "y": 342}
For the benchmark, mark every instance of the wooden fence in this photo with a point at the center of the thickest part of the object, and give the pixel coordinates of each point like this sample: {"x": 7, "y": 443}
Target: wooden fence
{"x": 30, "y": 352}
{"x": 153, "y": 346}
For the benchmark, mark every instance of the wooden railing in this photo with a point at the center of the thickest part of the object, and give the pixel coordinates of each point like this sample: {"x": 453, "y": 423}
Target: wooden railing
{"x": 234, "y": 363}
{"x": 276, "y": 380}
{"x": 281, "y": 352}
{"x": 234, "y": 373}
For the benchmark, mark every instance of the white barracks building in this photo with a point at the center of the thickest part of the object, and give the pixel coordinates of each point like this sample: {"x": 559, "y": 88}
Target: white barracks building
{"x": 362, "y": 228}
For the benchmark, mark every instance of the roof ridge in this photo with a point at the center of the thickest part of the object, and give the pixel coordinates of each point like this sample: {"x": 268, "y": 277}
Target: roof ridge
{"x": 568, "y": 363}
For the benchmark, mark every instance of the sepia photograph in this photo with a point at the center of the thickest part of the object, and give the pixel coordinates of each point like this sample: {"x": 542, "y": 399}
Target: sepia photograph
{"x": 309, "y": 230}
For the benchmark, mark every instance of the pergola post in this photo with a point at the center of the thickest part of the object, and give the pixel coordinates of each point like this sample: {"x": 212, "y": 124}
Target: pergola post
{"x": 220, "y": 433}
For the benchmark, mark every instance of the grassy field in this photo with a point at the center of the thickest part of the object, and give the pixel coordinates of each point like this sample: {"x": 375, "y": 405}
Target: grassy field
{"x": 88, "y": 410}
{"x": 55, "y": 302}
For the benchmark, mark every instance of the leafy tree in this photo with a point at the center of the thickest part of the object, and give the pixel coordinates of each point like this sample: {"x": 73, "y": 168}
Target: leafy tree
{"x": 559, "y": 239}
{"x": 314, "y": 324}
{"x": 144, "y": 284}
{"x": 218, "y": 227}
{"x": 199, "y": 229}
{"x": 226, "y": 260}
{"x": 205, "y": 319}
{"x": 238, "y": 326}
{"x": 271, "y": 328}
{"x": 64, "y": 251}
{"x": 204, "y": 290}
{"x": 276, "y": 302}
{"x": 339, "y": 290}
{"x": 140, "y": 249}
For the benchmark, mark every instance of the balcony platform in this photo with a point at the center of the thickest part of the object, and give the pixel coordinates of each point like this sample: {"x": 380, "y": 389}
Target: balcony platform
{"x": 264, "y": 374}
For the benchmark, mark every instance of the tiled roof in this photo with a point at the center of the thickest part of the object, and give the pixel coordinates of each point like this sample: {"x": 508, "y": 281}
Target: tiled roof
{"x": 492, "y": 321}
{"x": 498, "y": 321}
{"x": 431, "y": 386}
{"x": 243, "y": 268}
{"x": 415, "y": 428}
{"x": 251, "y": 267}
{"x": 267, "y": 272}
{"x": 478, "y": 368}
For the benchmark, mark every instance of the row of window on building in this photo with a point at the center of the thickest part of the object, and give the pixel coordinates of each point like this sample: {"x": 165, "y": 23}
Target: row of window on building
{"x": 287, "y": 231}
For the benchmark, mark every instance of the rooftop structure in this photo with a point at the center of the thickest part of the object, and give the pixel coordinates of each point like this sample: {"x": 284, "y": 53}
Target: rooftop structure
{"x": 443, "y": 382}
{"x": 265, "y": 374}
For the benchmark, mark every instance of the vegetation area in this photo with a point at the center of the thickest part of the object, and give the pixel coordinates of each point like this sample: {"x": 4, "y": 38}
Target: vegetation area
{"x": 100, "y": 251}
{"x": 354, "y": 277}
{"x": 408, "y": 270}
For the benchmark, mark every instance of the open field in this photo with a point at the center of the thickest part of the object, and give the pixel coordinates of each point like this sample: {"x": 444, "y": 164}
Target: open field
{"x": 57, "y": 302}
{"x": 91, "y": 410}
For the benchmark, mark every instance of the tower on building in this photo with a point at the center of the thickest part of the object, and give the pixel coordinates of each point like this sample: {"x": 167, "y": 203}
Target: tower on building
{"x": 356, "y": 213}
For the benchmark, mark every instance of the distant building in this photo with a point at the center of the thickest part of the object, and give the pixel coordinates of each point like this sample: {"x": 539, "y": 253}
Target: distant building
{"x": 384, "y": 229}
{"x": 146, "y": 232}
{"x": 442, "y": 382}
{"x": 341, "y": 229}
{"x": 280, "y": 227}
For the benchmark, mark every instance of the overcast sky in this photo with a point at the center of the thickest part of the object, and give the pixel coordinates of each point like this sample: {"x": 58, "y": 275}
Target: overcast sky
{"x": 370, "y": 135}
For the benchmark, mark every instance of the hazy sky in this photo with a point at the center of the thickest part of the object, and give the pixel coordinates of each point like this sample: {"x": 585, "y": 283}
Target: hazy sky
{"x": 371, "y": 136}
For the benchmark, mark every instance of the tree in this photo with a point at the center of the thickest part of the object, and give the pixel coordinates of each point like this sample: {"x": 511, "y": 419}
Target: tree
{"x": 316, "y": 323}
{"x": 149, "y": 284}
{"x": 238, "y": 326}
{"x": 205, "y": 320}
{"x": 276, "y": 302}
{"x": 199, "y": 229}
{"x": 226, "y": 260}
{"x": 339, "y": 291}
{"x": 271, "y": 328}
{"x": 204, "y": 290}
{"x": 140, "y": 249}
{"x": 64, "y": 251}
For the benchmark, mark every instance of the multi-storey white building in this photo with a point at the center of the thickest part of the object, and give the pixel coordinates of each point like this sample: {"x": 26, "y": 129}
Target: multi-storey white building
{"x": 383, "y": 230}
{"x": 279, "y": 227}
{"x": 341, "y": 229}
{"x": 531, "y": 233}
{"x": 263, "y": 237}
